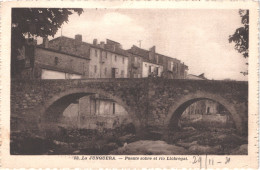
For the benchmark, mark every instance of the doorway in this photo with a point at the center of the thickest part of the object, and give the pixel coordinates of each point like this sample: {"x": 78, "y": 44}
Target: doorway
{"x": 113, "y": 72}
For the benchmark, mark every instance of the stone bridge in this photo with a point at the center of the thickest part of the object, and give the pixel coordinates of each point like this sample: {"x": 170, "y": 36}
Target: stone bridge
{"x": 152, "y": 103}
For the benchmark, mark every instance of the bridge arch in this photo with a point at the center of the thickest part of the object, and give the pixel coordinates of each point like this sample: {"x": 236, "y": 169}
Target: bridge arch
{"x": 179, "y": 106}
{"x": 68, "y": 96}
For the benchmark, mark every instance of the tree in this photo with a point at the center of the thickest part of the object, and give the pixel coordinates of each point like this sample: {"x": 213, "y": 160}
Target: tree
{"x": 241, "y": 36}
{"x": 35, "y": 22}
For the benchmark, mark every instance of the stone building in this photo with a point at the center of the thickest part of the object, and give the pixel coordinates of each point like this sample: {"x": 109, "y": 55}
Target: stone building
{"x": 150, "y": 66}
{"x": 95, "y": 112}
{"x": 41, "y": 62}
{"x": 173, "y": 68}
{"x": 155, "y": 64}
{"x": 135, "y": 66}
{"x": 65, "y": 57}
{"x": 205, "y": 110}
{"x": 107, "y": 60}
{"x": 203, "y": 107}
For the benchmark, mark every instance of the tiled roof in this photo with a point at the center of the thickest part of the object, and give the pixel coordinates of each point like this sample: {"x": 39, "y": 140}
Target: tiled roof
{"x": 106, "y": 47}
{"x": 57, "y": 51}
{"x": 139, "y": 51}
{"x": 201, "y": 77}
{"x": 114, "y": 49}
{"x": 142, "y": 53}
{"x": 145, "y": 55}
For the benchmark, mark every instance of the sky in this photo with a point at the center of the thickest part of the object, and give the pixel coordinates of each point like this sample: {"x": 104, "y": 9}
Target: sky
{"x": 199, "y": 38}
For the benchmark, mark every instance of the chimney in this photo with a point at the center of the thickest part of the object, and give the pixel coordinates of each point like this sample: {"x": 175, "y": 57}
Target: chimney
{"x": 119, "y": 46}
{"x": 95, "y": 41}
{"x": 152, "y": 49}
{"x": 102, "y": 44}
{"x": 152, "y": 54}
{"x": 78, "y": 38}
{"x": 45, "y": 42}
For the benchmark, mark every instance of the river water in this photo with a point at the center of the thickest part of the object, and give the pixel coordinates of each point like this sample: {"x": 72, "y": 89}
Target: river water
{"x": 122, "y": 140}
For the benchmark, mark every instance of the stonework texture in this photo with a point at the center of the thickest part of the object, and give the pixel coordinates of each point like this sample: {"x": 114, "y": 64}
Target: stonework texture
{"x": 47, "y": 59}
{"x": 151, "y": 103}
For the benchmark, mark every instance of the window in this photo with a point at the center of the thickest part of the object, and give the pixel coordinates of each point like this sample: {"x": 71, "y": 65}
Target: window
{"x": 115, "y": 57}
{"x": 122, "y": 73}
{"x": 105, "y": 71}
{"x": 123, "y": 60}
{"x": 96, "y": 53}
{"x": 150, "y": 69}
{"x": 171, "y": 66}
{"x": 95, "y": 69}
{"x": 56, "y": 60}
{"x": 157, "y": 58}
{"x": 135, "y": 59}
{"x": 83, "y": 68}
{"x": 114, "y": 108}
{"x": 95, "y": 106}
{"x": 104, "y": 54}
{"x": 156, "y": 71}
{"x": 145, "y": 65}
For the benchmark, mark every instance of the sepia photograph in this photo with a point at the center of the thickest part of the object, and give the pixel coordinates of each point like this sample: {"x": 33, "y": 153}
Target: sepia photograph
{"x": 129, "y": 84}
{"x": 129, "y": 81}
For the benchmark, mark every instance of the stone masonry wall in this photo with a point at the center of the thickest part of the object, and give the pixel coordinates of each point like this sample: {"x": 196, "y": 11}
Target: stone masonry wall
{"x": 61, "y": 61}
{"x": 149, "y": 99}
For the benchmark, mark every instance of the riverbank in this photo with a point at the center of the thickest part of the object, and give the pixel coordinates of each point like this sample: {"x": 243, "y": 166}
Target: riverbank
{"x": 123, "y": 141}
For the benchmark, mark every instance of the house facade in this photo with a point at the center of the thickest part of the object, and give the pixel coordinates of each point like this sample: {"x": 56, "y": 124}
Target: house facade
{"x": 50, "y": 64}
{"x": 95, "y": 112}
{"x": 71, "y": 58}
{"x": 157, "y": 65}
{"x": 135, "y": 66}
{"x": 41, "y": 62}
{"x": 205, "y": 110}
{"x": 148, "y": 61}
{"x": 206, "y": 113}
{"x": 107, "y": 60}
{"x": 173, "y": 68}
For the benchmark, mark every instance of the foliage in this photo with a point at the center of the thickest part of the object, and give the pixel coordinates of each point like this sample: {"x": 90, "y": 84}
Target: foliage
{"x": 34, "y": 22}
{"x": 241, "y": 36}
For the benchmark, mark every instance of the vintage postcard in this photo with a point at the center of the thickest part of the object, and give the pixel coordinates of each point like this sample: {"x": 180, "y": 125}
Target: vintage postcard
{"x": 129, "y": 84}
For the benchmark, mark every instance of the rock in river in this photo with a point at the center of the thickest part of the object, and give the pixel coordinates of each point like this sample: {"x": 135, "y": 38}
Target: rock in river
{"x": 147, "y": 147}
{"x": 200, "y": 149}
